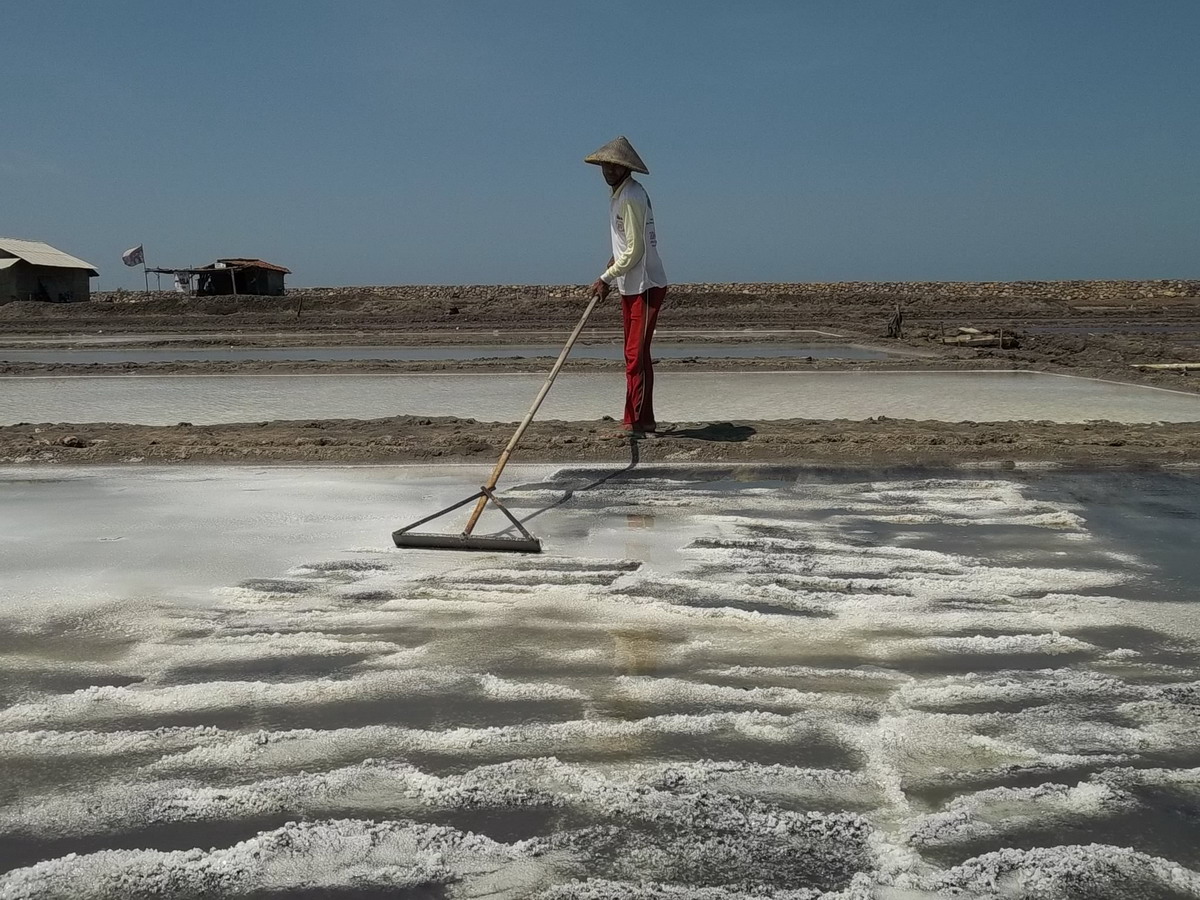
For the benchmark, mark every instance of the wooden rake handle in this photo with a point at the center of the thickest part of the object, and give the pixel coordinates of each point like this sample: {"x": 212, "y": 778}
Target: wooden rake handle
{"x": 516, "y": 438}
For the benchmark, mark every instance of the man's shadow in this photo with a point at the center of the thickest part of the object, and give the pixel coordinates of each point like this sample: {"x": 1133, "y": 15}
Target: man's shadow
{"x": 634, "y": 458}
{"x": 724, "y": 432}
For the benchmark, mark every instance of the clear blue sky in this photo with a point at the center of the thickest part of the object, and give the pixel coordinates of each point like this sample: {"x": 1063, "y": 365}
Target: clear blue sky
{"x": 441, "y": 141}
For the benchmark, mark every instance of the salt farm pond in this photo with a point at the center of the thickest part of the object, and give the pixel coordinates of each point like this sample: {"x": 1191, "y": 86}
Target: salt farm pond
{"x": 717, "y": 683}
{"x": 612, "y": 350}
{"x": 978, "y": 396}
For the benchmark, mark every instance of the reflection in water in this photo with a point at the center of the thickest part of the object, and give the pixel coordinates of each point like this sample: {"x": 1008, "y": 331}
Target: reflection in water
{"x": 639, "y": 651}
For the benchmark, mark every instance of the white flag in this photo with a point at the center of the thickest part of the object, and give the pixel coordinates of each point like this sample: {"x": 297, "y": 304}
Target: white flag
{"x": 134, "y": 256}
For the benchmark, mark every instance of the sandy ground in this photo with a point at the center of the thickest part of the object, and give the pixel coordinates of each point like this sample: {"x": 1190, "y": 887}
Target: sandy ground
{"x": 410, "y": 439}
{"x": 416, "y": 309}
{"x": 1110, "y": 327}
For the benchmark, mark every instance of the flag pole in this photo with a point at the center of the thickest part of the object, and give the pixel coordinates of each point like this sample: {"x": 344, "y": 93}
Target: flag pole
{"x": 145, "y": 271}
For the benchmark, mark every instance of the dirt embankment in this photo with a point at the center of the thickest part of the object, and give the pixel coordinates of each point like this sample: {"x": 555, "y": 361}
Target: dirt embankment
{"x": 411, "y": 439}
{"x": 1111, "y": 325}
{"x": 447, "y": 307}
{"x": 1107, "y": 356}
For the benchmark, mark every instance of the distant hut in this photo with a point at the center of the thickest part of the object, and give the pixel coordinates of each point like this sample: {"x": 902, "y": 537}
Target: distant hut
{"x": 32, "y": 270}
{"x": 240, "y": 276}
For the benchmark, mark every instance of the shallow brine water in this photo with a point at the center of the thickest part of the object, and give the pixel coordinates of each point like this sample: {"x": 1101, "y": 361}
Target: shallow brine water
{"x": 505, "y": 397}
{"x": 715, "y": 683}
{"x": 663, "y": 350}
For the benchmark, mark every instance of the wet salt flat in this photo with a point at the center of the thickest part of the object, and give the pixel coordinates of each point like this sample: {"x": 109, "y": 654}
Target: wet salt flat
{"x": 552, "y": 336}
{"x": 662, "y": 350}
{"x": 679, "y": 397}
{"x": 747, "y": 682}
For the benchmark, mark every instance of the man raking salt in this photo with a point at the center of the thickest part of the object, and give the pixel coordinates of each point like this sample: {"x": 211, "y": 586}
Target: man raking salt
{"x": 636, "y": 271}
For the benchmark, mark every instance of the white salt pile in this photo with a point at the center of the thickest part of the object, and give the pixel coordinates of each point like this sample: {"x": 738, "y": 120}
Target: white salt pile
{"x": 840, "y": 690}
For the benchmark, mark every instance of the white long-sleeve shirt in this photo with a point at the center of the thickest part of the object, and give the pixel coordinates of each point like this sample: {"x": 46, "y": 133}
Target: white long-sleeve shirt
{"x": 636, "y": 265}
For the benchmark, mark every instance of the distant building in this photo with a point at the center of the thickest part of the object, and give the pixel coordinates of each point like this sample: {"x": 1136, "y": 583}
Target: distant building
{"x": 32, "y": 270}
{"x": 240, "y": 276}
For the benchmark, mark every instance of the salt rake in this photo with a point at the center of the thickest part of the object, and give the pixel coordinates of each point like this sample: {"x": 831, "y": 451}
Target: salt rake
{"x": 527, "y": 543}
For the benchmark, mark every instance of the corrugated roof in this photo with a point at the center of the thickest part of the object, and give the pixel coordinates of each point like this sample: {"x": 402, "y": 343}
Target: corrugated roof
{"x": 38, "y": 253}
{"x": 239, "y": 261}
{"x": 5, "y": 263}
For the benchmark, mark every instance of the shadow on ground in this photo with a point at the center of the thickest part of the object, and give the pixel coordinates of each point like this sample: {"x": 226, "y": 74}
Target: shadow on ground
{"x": 725, "y": 432}
{"x": 569, "y": 494}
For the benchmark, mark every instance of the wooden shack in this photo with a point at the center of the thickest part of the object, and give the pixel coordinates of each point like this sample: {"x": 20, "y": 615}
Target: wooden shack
{"x": 240, "y": 276}
{"x": 33, "y": 270}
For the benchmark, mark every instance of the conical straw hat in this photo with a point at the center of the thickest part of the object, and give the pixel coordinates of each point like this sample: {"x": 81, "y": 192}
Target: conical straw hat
{"x": 620, "y": 152}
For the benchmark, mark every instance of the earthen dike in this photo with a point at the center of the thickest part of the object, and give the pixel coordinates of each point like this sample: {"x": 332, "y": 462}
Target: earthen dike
{"x": 1088, "y": 328}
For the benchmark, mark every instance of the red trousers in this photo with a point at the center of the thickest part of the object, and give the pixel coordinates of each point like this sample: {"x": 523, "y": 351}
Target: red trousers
{"x": 639, "y": 314}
